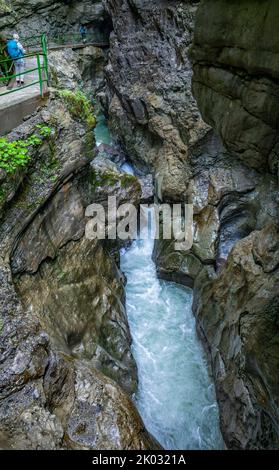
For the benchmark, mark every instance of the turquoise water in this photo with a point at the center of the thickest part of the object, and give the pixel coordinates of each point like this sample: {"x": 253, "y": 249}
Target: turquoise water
{"x": 175, "y": 395}
{"x": 101, "y": 131}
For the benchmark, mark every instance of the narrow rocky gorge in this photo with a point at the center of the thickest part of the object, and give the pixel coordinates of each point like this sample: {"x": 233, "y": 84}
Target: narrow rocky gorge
{"x": 67, "y": 373}
{"x": 227, "y": 167}
{"x": 191, "y": 97}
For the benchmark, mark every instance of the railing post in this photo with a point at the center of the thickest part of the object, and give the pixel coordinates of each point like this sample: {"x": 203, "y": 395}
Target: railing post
{"x": 40, "y": 75}
{"x": 45, "y": 58}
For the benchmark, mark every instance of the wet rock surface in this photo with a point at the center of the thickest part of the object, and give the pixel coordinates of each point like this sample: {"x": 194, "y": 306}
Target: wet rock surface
{"x": 237, "y": 314}
{"x": 75, "y": 288}
{"x": 52, "y": 396}
{"x": 229, "y": 202}
{"x": 187, "y": 159}
{"x": 149, "y": 100}
{"x": 78, "y": 69}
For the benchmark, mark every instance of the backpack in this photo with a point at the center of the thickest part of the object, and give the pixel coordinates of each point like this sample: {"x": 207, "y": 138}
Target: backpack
{"x": 13, "y": 49}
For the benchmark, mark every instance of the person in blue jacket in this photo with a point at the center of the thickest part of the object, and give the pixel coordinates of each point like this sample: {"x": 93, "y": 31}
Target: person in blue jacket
{"x": 16, "y": 52}
{"x": 83, "y": 32}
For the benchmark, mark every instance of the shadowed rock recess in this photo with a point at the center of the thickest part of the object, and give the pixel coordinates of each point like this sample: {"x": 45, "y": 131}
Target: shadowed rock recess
{"x": 227, "y": 167}
{"x": 190, "y": 90}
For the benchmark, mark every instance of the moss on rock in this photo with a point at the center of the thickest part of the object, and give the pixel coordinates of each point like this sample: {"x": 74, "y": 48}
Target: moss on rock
{"x": 79, "y": 106}
{"x": 4, "y": 7}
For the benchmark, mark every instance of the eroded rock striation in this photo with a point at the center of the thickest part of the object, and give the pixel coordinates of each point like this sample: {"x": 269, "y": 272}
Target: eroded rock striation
{"x": 236, "y": 77}
{"x": 237, "y": 313}
{"x": 150, "y": 105}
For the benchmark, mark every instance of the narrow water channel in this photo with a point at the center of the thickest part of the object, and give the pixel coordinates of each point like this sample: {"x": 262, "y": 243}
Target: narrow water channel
{"x": 175, "y": 395}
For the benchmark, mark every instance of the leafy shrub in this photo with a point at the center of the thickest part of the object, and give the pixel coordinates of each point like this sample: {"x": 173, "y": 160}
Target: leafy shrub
{"x": 44, "y": 131}
{"x": 14, "y": 155}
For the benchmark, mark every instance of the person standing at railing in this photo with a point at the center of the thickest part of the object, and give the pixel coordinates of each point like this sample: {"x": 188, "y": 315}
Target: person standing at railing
{"x": 83, "y": 33}
{"x": 16, "y": 52}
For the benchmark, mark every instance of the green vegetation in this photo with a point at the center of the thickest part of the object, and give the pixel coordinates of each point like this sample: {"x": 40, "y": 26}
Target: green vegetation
{"x": 4, "y": 8}
{"x": 103, "y": 179}
{"x": 79, "y": 106}
{"x": 6, "y": 67}
{"x": 127, "y": 180}
{"x": 109, "y": 178}
{"x": 16, "y": 154}
{"x": 44, "y": 131}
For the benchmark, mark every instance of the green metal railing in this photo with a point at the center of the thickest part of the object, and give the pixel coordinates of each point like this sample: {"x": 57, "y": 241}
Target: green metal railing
{"x": 39, "y": 43}
{"x": 36, "y": 47}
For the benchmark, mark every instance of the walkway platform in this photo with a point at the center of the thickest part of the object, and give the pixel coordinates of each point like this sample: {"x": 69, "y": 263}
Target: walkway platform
{"x": 14, "y": 107}
{"x": 55, "y": 47}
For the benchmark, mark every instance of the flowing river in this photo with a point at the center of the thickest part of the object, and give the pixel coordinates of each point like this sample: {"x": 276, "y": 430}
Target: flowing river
{"x": 175, "y": 396}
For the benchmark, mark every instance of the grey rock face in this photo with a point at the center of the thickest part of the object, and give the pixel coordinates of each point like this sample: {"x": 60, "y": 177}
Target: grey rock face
{"x": 49, "y": 16}
{"x": 149, "y": 70}
{"x": 235, "y": 77}
{"x": 81, "y": 69}
{"x": 151, "y": 108}
{"x": 229, "y": 202}
{"x": 63, "y": 328}
{"x": 51, "y": 394}
{"x": 79, "y": 295}
{"x": 237, "y": 314}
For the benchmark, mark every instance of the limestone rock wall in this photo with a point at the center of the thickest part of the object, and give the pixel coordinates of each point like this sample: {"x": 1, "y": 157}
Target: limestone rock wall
{"x": 229, "y": 173}
{"x": 237, "y": 313}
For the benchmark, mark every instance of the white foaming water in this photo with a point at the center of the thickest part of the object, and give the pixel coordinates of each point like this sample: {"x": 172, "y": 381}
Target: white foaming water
{"x": 127, "y": 168}
{"x": 175, "y": 395}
